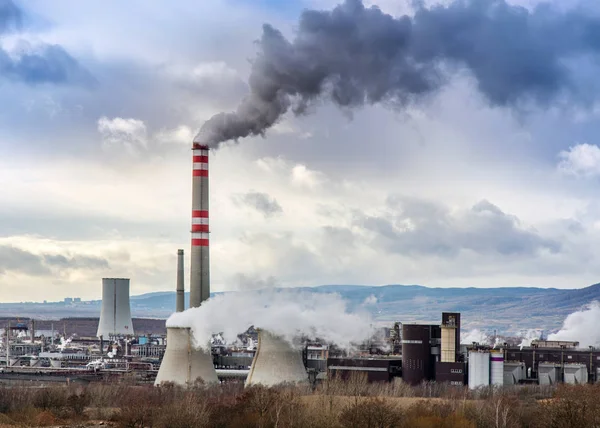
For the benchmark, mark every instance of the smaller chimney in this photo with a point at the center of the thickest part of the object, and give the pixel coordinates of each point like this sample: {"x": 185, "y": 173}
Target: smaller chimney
{"x": 180, "y": 285}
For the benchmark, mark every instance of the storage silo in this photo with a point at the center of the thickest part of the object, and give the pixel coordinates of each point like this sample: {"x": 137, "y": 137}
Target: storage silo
{"x": 497, "y": 368}
{"x": 182, "y": 363}
{"x": 479, "y": 369}
{"x": 416, "y": 353}
{"x": 275, "y": 362}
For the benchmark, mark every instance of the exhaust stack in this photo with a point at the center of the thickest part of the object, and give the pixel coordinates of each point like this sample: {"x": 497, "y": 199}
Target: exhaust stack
{"x": 182, "y": 363}
{"x": 276, "y": 362}
{"x": 180, "y": 305}
{"x": 199, "y": 263}
{"x": 115, "y": 315}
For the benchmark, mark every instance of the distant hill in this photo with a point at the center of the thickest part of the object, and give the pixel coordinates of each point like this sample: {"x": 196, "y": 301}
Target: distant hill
{"x": 508, "y": 309}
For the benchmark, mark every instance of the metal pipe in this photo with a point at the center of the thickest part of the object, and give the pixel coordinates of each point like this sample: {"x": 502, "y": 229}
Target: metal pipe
{"x": 180, "y": 304}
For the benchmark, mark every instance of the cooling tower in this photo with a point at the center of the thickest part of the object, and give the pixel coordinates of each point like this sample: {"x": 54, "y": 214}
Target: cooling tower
{"x": 180, "y": 305}
{"x": 275, "y": 362}
{"x": 182, "y": 363}
{"x": 115, "y": 315}
{"x": 199, "y": 263}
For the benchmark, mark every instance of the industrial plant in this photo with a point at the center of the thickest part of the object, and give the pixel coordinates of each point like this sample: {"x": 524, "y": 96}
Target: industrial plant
{"x": 411, "y": 352}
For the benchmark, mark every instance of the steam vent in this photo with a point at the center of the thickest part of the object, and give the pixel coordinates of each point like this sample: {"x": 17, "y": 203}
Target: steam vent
{"x": 183, "y": 364}
{"x": 276, "y": 362}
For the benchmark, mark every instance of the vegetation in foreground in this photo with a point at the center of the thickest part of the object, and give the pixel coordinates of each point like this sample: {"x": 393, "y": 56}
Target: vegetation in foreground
{"x": 334, "y": 404}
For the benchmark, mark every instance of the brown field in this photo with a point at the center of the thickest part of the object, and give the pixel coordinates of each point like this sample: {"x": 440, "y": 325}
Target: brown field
{"x": 333, "y": 404}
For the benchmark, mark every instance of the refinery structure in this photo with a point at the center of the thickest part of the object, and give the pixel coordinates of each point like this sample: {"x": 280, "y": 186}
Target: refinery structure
{"x": 412, "y": 352}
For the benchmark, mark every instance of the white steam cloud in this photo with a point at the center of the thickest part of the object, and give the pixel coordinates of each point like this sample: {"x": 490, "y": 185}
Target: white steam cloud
{"x": 283, "y": 312}
{"x": 371, "y": 300}
{"x": 476, "y": 336}
{"x": 581, "y": 326}
{"x": 529, "y": 336}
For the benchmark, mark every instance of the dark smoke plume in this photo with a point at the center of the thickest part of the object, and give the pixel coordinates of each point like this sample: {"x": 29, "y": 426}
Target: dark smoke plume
{"x": 356, "y": 55}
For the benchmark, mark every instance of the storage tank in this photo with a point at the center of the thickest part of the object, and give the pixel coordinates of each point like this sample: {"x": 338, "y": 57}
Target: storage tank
{"x": 497, "y": 368}
{"x": 479, "y": 369}
{"x": 275, "y": 362}
{"x": 182, "y": 363}
{"x": 416, "y": 353}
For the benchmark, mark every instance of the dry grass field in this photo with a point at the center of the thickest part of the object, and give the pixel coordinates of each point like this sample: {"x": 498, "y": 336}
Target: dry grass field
{"x": 333, "y": 404}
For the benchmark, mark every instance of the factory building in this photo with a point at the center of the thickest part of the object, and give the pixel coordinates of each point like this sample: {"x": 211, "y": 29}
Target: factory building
{"x": 375, "y": 369}
{"x": 547, "y": 362}
{"x": 429, "y": 350}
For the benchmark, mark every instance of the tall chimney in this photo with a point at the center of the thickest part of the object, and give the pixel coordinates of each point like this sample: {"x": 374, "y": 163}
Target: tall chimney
{"x": 180, "y": 307}
{"x": 199, "y": 263}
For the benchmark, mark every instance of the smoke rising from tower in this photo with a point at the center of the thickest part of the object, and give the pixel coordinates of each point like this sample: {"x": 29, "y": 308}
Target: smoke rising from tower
{"x": 284, "y": 313}
{"x": 354, "y": 55}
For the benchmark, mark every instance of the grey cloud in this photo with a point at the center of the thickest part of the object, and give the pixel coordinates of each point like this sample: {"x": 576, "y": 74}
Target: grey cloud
{"x": 44, "y": 64}
{"x": 286, "y": 255}
{"x": 17, "y": 260}
{"x": 418, "y": 227}
{"x": 356, "y": 55}
{"x": 76, "y": 262}
{"x": 261, "y": 202}
{"x": 339, "y": 238}
{"x": 10, "y": 16}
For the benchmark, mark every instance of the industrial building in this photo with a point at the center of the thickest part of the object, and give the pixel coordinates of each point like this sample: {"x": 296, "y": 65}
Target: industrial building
{"x": 375, "y": 369}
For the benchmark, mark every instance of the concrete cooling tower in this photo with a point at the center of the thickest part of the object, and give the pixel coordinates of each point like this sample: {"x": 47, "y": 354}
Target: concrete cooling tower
{"x": 182, "y": 363}
{"x": 276, "y": 362}
{"x": 115, "y": 315}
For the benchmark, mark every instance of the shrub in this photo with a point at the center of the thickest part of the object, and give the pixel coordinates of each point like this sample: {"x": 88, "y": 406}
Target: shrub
{"x": 45, "y": 419}
{"x": 371, "y": 413}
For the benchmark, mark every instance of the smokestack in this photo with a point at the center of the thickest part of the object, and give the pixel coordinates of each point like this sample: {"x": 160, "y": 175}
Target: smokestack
{"x": 115, "y": 315}
{"x": 182, "y": 363}
{"x": 276, "y": 362}
{"x": 180, "y": 306}
{"x": 199, "y": 263}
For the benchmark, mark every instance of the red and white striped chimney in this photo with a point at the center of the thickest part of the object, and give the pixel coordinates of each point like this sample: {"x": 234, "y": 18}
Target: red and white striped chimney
{"x": 199, "y": 263}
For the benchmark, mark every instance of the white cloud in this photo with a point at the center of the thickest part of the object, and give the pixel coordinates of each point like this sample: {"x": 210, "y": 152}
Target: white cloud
{"x": 580, "y": 160}
{"x": 119, "y": 134}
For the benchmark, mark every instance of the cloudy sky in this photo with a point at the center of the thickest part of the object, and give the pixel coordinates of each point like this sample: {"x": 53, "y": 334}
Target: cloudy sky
{"x": 101, "y": 100}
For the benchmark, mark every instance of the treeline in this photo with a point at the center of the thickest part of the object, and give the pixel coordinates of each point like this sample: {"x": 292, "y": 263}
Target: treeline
{"x": 333, "y": 404}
